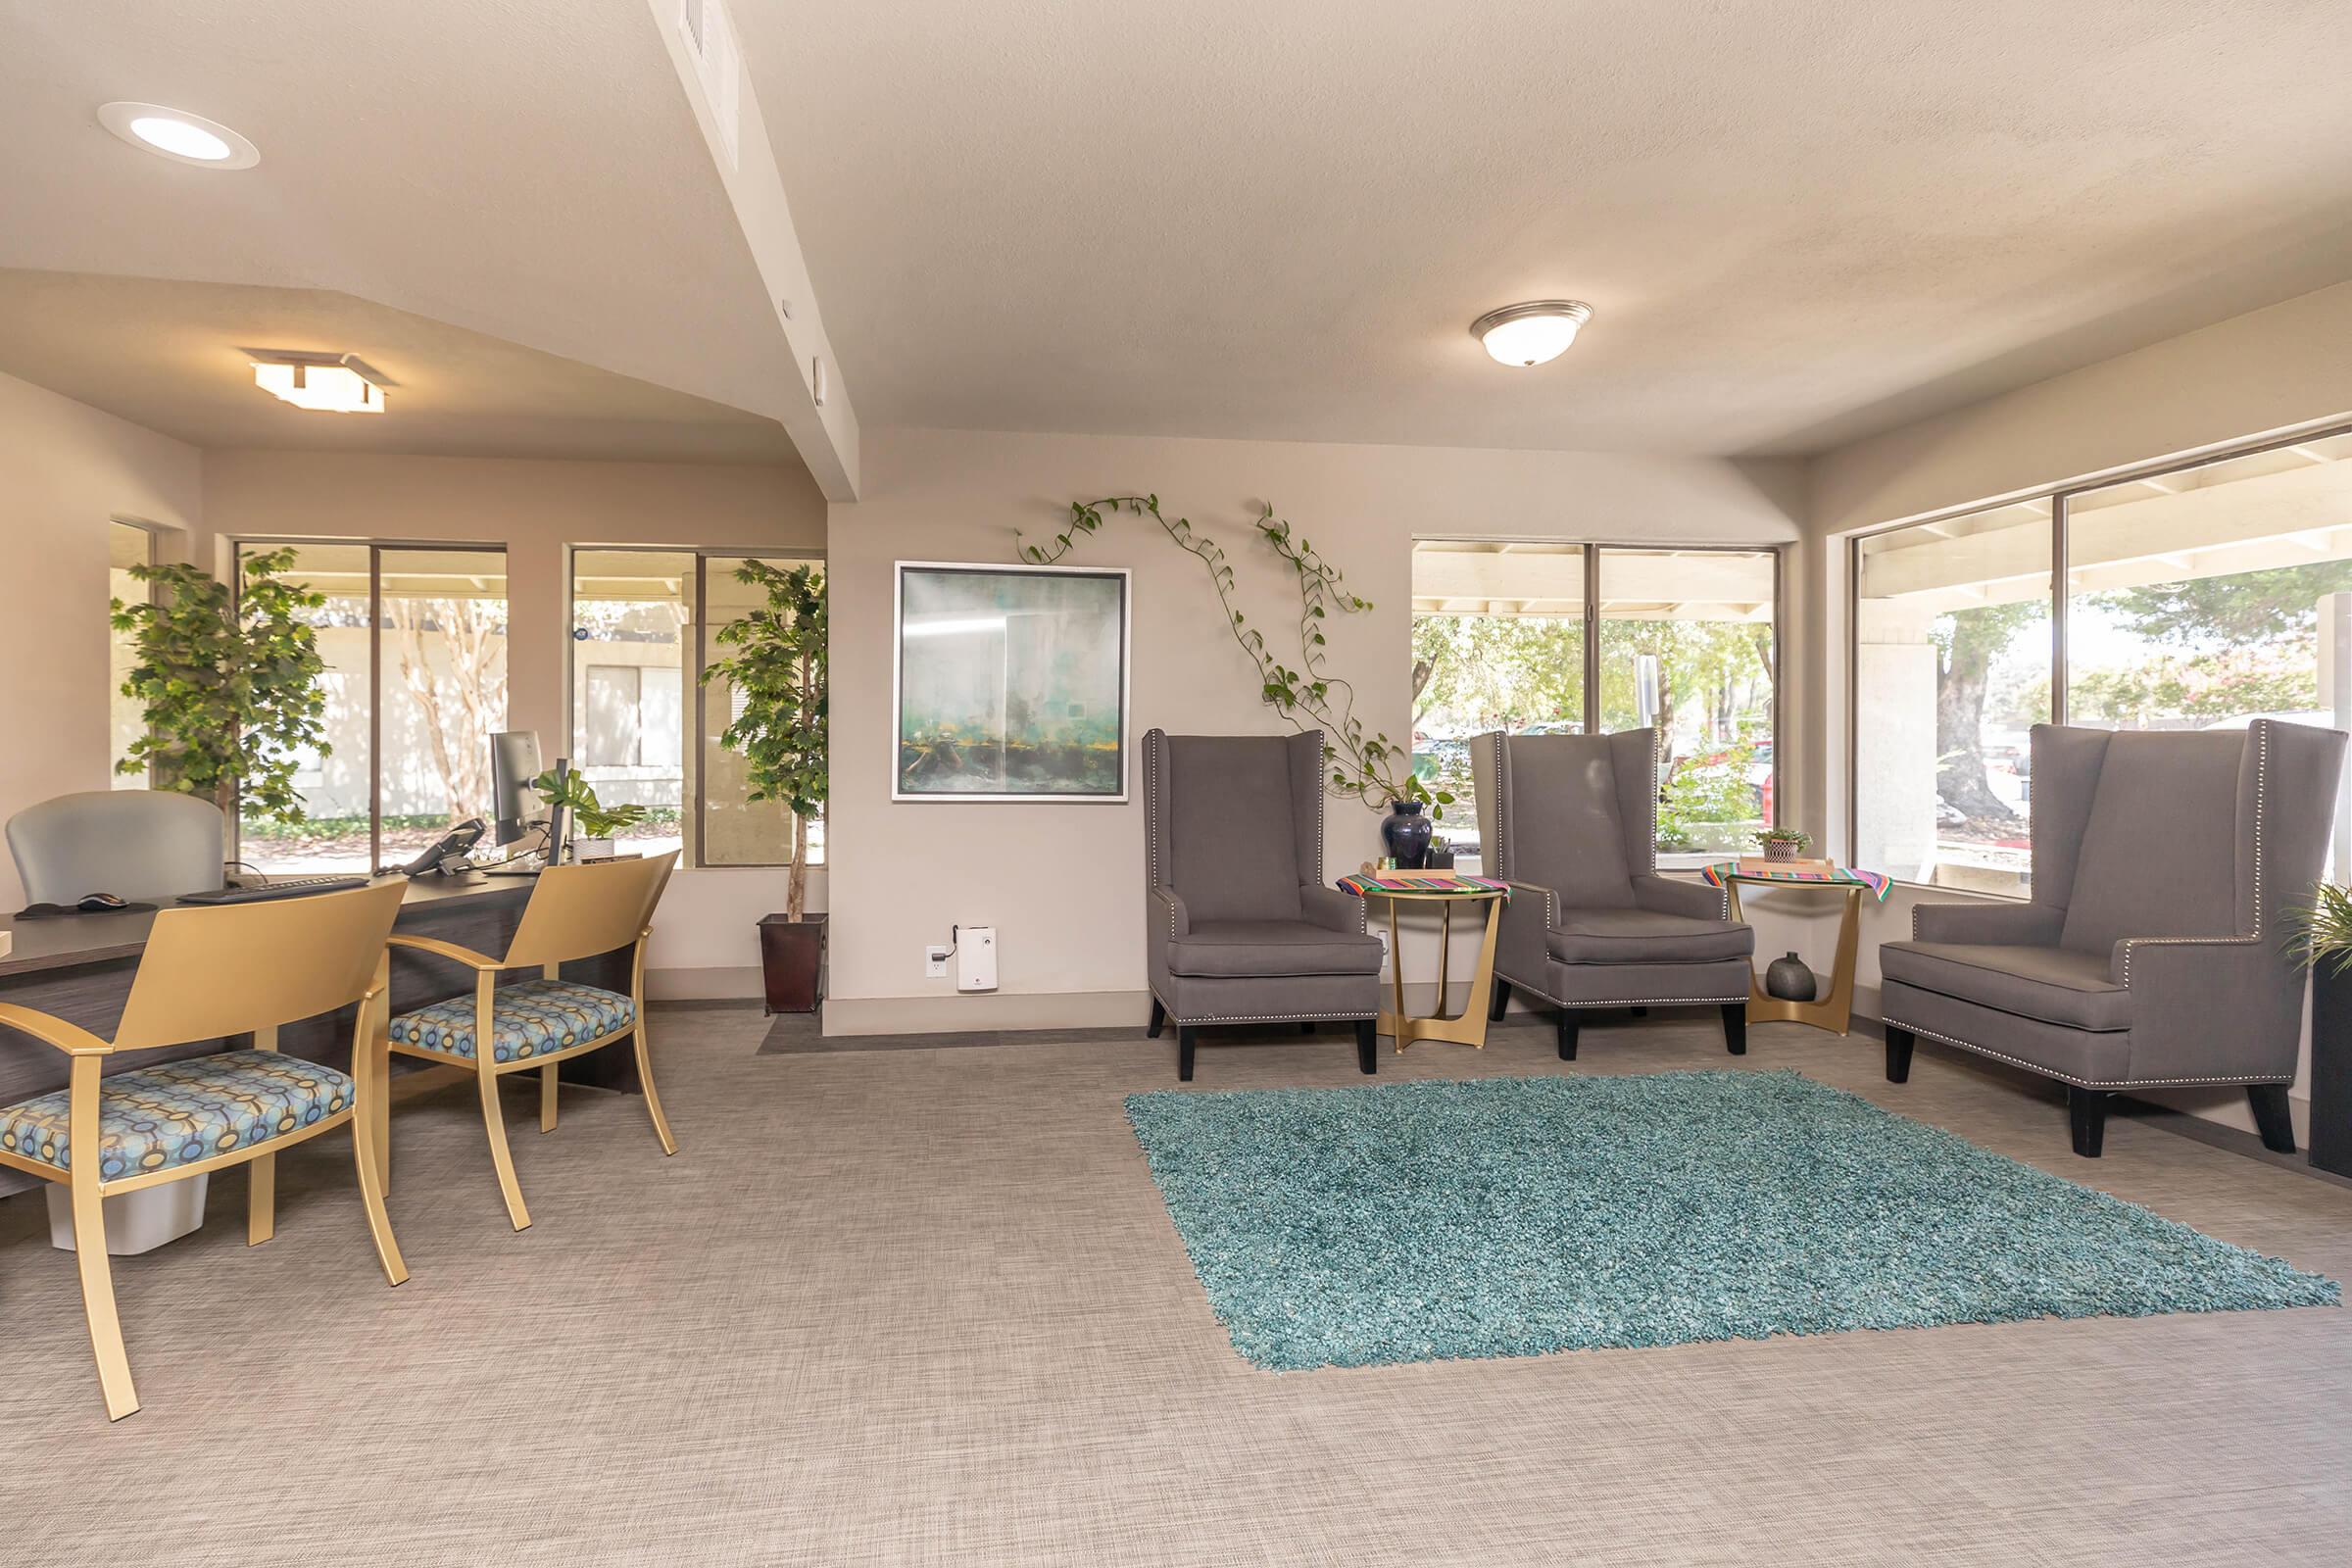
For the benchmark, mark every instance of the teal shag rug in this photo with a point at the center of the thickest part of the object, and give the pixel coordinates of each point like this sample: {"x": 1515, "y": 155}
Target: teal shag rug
{"x": 1516, "y": 1216}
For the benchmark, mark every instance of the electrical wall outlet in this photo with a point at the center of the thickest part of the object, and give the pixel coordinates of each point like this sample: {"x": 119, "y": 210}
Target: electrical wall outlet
{"x": 935, "y": 961}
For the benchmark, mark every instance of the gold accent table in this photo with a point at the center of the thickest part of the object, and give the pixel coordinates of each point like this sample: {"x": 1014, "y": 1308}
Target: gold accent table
{"x": 1469, "y": 1026}
{"x": 1835, "y": 1011}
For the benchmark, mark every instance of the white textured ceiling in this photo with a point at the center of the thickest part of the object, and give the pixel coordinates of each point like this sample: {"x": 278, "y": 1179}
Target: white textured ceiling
{"x": 166, "y": 355}
{"x": 1798, "y": 222}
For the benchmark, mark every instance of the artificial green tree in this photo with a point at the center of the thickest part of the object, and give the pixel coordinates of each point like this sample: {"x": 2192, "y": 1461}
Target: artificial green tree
{"x": 779, "y": 672}
{"x": 231, "y": 683}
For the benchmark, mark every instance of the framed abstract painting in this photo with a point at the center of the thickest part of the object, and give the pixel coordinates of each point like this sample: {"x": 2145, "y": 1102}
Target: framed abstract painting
{"x": 1010, "y": 683}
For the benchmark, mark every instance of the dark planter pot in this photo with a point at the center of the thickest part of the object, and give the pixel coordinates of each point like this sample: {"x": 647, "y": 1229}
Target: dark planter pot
{"x": 792, "y": 961}
{"x": 1790, "y": 980}
{"x": 1405, "y": 831}
{"x": 2330, "y": 1071}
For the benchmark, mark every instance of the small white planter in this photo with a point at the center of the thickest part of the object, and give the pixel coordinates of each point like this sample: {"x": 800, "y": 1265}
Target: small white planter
{"x": 135, "y": 1222}
{"x": 592, "y": 849}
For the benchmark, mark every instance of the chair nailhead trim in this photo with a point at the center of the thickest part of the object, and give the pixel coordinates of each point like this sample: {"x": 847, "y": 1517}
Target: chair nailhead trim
{"x": 2064, "y": 1078}
{"x": 1263, "y": 1017}
{"x": 2262, "y": 791}
{"x": 1619, "y": 1001}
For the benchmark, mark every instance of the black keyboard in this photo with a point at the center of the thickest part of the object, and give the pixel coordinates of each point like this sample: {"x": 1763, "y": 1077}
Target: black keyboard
{"x": 289, "y": 887}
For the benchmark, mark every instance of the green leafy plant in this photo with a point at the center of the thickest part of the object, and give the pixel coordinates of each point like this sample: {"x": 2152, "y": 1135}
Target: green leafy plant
{"x": 231, "y": 683}
{"x": 779, "y": 676}
{"x": 1366, "y": 767}
{"x": 1783, "y": 835}
{"x": 2319, "y": 932}
{"x": 572, "y": 791}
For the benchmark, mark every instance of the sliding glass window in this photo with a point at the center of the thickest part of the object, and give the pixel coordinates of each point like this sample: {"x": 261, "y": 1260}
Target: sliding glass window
{"x": 414, "y": 645}
{"x": 638, "y": 644}
{"x": 2194, "y": 599}
{"x": 1686, "y": 641}
{"x": 127, "y": 545}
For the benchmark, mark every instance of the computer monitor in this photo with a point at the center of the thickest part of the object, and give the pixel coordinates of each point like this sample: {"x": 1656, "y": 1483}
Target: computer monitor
{"x": 514, "y": 763}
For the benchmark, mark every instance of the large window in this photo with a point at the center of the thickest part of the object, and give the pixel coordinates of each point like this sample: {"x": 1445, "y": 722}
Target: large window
{"x": 1686, "y": 643}
{"x": 127, "y": 545}
{"x": 2194, "y": 600}
{"x": 644, "y": 624}
{"x": 415, "y": 643}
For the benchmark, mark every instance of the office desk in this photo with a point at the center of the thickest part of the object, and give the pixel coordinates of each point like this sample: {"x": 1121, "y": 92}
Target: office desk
{"x": 79, "y": 967}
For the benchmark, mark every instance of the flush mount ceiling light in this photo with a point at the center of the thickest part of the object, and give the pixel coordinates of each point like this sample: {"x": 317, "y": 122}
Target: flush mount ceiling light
{"x": 329, "y": 384}
{"x": 1532, "y": 333}
{"x": 178, "y": 135}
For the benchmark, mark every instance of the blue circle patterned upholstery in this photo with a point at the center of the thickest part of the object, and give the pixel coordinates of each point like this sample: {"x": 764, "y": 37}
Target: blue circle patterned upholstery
{"x": 182, "y": 1112}
{"x": 533, "y": 1018}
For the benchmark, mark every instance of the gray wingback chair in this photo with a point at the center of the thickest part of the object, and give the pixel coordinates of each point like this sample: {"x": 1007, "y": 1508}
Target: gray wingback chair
{"x": 2155, "y": 950}
{"x": 1240, "y": 927}
{"x": 136, "y": 844}
{"x": 1571, "y": 821}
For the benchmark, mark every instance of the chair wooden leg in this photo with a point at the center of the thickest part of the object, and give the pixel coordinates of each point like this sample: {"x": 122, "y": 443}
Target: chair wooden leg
{"x": 2087, "y": 1111}
{"x": 1735, "y": 1028}
{"x": 98, "y": 1301}
{"x": 653, "y": 1096}
{"x": 1367, "y": 1044}
{"x": 365, "y": 1156}
{"x": 1641, "y": 1013}
{"x": 496, "y": 1124}
{"x": 1185, "y": 1040}
{"x": 1306, "y": 1026}
{"x": 1160, "y": 1016}
{"x": 1501, "y": 1002}
{"x": 2271, "y": 1117}
{"x": 547, "y": 1098}
{"x": 260, "y": 1200}
{"x": 1567, "y": 1035}
{"x": 1899, "y": 1053}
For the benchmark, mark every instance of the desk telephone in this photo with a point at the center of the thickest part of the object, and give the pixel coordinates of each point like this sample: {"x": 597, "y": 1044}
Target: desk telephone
{"x": 449, "y": 855}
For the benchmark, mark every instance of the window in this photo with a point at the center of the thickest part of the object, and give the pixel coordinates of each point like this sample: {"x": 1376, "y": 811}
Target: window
{"x": 414, "y": 643}
{"x": 1685, "y": 641}
{"x": 127, "y": 545}
{"x": 2194, "y": 599}
{"x": 1951, "y": 672}
{"x": 635, "y": 614}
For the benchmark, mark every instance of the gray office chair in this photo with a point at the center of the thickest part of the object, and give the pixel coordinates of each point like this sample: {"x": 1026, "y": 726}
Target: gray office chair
{"x": 2156, "y": 950}
{"x": 138, "y": 844}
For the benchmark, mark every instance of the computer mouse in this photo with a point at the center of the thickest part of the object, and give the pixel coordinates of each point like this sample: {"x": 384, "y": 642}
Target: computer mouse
{"x": 102, "y": 904}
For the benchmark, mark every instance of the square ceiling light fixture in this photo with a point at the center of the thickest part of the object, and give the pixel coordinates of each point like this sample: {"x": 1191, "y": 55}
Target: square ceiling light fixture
{"x": 331, "y": 384}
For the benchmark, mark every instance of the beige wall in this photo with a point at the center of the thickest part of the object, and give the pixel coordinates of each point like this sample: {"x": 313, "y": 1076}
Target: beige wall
{"x": 1062, "y": 883}
{"x": 65, "y": 471}
{"x": 2271, "y": 371}
{"x": 704, "y": 945}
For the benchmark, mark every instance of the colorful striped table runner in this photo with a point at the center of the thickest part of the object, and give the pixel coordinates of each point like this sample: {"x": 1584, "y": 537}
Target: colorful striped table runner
{"x": 1366, "y": 884}
{"x": 1841, "y": 877}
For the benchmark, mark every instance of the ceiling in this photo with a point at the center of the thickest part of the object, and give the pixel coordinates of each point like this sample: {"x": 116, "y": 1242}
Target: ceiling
{"x": 166, "y": 355}
{"x": 1798, "y": 223}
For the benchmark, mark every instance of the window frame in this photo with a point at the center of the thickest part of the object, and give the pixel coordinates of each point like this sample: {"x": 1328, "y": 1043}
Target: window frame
{"x": 2059, "y": 495}
{"x": 153, "y": 536}
{"x": 375, "y": 548}
{"x": 1593, "y": 553}
{"x": 693, "y": 713}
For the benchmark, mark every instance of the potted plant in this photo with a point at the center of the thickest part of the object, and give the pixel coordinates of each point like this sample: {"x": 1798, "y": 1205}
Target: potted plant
{"x": 593, "y": 821}
{"x": 777, "y": 670}
{"x": 2322, "y": 939}
{"x": 1784, "y": 843}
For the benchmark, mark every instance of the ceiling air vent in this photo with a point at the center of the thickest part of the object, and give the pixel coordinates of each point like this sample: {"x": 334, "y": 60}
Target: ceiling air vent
{"x": 709, "y": 37}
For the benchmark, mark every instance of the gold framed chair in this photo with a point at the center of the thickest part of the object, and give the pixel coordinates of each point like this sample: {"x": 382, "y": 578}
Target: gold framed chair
{"x": 208, "y": 973}
{"x": 575, "y": 911}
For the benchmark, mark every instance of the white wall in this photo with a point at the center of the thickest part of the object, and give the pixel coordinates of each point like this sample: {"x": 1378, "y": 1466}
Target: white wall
{"x": 704, "y": 944}
{"x": 2271, "y": 371}
{"x": 1062, "y": 883}
{"x": 65, "y": 471}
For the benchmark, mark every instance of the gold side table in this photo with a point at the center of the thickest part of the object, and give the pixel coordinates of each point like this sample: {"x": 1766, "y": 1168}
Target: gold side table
{"x": 1835, "y": 1011}
{"x": 1469, "y": 1026}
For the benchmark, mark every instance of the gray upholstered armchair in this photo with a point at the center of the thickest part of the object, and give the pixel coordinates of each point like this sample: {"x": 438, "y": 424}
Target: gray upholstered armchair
{"x": 1571, "y": 821}
{"x": 2155, "y": 950}
{"x": 1240, "y": 927}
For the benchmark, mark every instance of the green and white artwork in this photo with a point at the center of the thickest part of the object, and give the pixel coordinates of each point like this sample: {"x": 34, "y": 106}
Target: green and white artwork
{"x": 1012, "y": 683}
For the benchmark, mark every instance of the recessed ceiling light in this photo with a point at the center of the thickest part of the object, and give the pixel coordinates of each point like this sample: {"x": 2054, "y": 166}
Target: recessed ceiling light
{"x": 1532, "y": 333}
{"x": 327, "y": 383}
{"x": 178, "y": 135}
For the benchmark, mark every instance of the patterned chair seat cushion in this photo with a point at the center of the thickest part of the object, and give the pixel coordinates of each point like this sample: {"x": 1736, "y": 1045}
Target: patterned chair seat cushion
{"x": 182, "y": 1112}
{"x": 533, "y": 1018}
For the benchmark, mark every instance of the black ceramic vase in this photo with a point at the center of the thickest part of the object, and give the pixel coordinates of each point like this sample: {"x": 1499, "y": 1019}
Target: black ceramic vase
{"x": 1790, "y": 980}
{"x": 1407, "y": 833}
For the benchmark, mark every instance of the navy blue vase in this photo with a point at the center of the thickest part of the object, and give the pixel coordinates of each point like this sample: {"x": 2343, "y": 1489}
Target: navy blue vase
{"x": 1407, "y": 833}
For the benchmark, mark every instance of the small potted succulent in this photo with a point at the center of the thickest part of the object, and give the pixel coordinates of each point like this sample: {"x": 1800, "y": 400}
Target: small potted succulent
{"x": 593, "y": 821}
{"x": 1784, "y": 843}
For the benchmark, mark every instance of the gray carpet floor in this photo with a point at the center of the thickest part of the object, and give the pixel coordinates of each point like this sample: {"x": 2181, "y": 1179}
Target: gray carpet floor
{"x": 924, "y": 1305}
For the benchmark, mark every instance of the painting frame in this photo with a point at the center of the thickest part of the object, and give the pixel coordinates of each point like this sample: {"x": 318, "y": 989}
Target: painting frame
{"x": 899, "y": 663}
